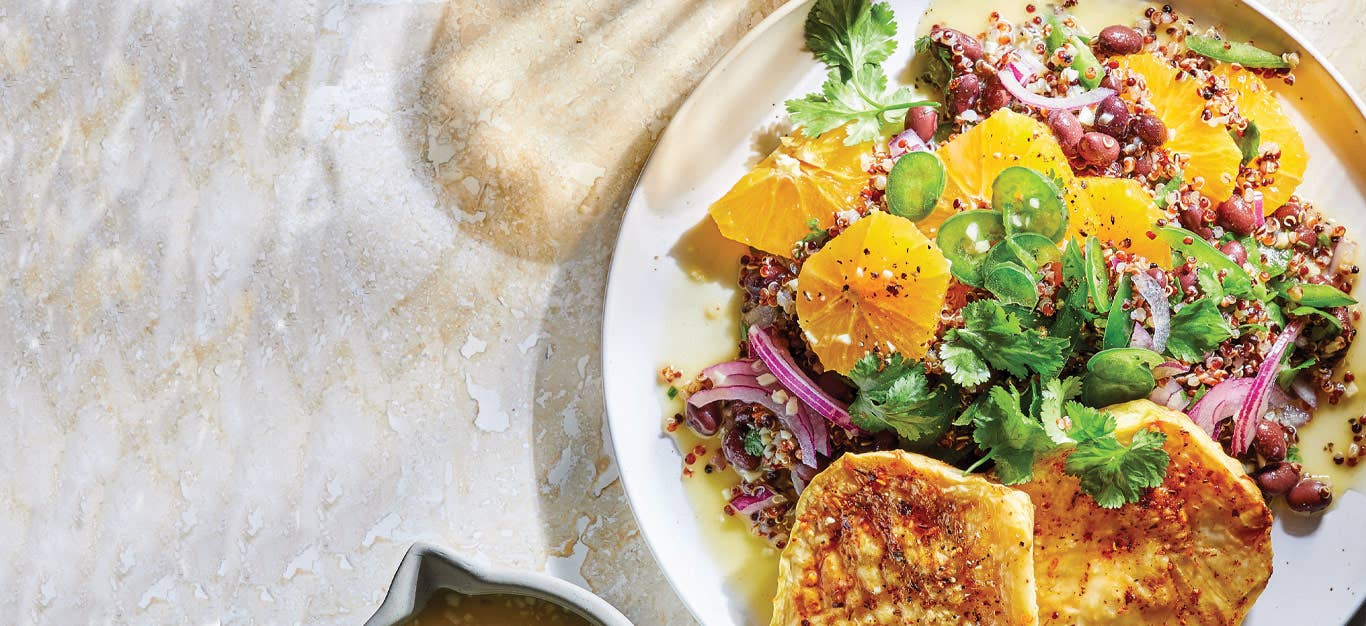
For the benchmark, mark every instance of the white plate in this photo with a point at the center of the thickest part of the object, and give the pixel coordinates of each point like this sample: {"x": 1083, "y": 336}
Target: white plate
{"x": 671, "y": 300}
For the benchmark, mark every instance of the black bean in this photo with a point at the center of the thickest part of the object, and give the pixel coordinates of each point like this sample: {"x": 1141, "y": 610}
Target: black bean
{"x": 1112, "y": 117}
{"x": 997, "y": 96}
{"x": 705, "y": 419}
{"x": 959, "y": 43}
{"x": 1270, "y": 440}
{"x": 733, "y": 446}
{"x": 1066, "y": 128}
{"x": 1120, "y": 39}
{"x": 924, "y": 120}
{"x": 1310, "y": 495}
{"x": 1235, "y": 215}
{"x": 1150, "y": 129}
{"x": 963, "y": 93}
{"x": 1277, "y": 479}
{"x": 1098, "y": 149}
{"x": 1238, "y": 253}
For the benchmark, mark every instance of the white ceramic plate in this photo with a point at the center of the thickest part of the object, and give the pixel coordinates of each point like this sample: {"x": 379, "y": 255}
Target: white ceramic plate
{"x": 671, "y": 299}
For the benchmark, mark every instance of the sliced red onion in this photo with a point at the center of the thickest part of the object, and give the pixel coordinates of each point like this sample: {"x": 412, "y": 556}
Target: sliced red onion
{"x": 1220, "y": 403}
{"x": 1026, "y": 67}
{"x": 721, "y": 372}
{"x": 1170, "y": 394}
{"x": 792, "y": 378}
{"x": 1258, "y": 202}
{"x": 1304, "y": 392}
{"x": 1141, "y": 338}
{"x": 1011, "y": 81}
{"x": 748, "y": 395}
{"x": 751, "y": 503}
{"x": 1156, "y": 295}
{"x": 1170, "y": 369}
{"x": 1343, "y": 253}
{"x": 801, "y": 477}
{"x": 906, "y": 141}
{"x": 1255, "y": 404}
{"x": 820, "y": 435}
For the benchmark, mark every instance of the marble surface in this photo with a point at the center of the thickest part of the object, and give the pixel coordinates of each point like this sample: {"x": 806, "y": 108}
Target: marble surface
{"x": 290, "y": 285}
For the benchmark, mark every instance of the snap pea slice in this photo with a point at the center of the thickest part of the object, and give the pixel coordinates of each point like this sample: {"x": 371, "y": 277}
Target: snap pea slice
{"x": 1089, "y": 70}
{"x": 1096, "y": 276}
{"x": 966, "y": 238}
{"x": 1118, "y": 328}
{"x": 914, "y": 185}
{"x": 1244, "y": 54}
{"x": 1029, "y": 202}
{"x": 1186, "y": 243}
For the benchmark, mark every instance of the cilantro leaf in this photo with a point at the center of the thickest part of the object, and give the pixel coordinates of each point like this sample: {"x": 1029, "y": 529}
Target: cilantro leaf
{"x": 859, "y": 102}
{"x": 898, "y": 395}
{"x": 754, "y": 443}
{"x": 1088, "y": 424}
{"x": 1012, "y": 439}
{"x": 848, "y": 34}
{"x": 999, "y": 339}
{"x": 940, "y": 62}
{"x": 1164, "y": 190}
{"x": 1115, "y": 474}
{"x": 1197, "y": 329}
{"x": 963, "y": 364}
{"x": 1056, "y": 393}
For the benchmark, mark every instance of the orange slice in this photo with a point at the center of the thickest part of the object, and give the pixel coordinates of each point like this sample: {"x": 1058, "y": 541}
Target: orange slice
{"x": 879, "y": 285}
{"x": 803, "y": 179}
{"x": 1213, "y": 155}
{"x": 974, "y": 158}
{"x": 1122, "y": 214}
{"x": 1257, "y": 102}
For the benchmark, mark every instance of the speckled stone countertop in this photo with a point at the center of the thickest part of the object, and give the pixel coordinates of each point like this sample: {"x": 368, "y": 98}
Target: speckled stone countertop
{"x": 290, "y": 285}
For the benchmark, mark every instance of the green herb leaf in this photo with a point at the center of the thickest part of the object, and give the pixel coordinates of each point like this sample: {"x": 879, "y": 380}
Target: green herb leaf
{"x": 848, "y": 34}
{"x": 1274, "y": 261}
{"x": 1115, "y": 474}
{"x": 672, "y": 392}
{"x": 1250, "y": 142}
{"x": 1088, "y": 424}
{"x": 940, "y": 62}
{"x": 1012, "y": 439}
{"x": 754, "y": 442}
{"x": 1334, "y": 325}
{"x": 1166, "y": 189}
{"x": 898, "y": 395}
{"x": 1293, "y": 455}
{"x": 1073, "y": 313}
{"x": 859, "y": 102}
{"x": 963, "y": 364}
{"x": 1197, "y": 329}
{"x": 998, "y": 338}
{"x": 1056, "y": 393}
{"x": 1244, "y": 54}
{"x": 1209, "y": 284}
{"x": 1287, "y": 373}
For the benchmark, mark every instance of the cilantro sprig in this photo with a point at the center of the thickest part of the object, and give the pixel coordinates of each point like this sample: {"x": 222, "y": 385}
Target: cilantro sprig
{"x": 994, "y": 338}
{"x": 898, "y": 395}
{"x": 852, "y": 38}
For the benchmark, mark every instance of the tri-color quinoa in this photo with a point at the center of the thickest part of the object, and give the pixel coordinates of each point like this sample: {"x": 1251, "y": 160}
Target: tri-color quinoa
{"x": 1120, "y": 137}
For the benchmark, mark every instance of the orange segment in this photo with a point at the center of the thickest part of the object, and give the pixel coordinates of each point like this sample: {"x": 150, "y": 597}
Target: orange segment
{"x": 803, "y": 179}
{"x": 1257, "y": 102}
{"x": 879, "y": 284}
{"x": 1213, "y": 154}
{"x": 1121, "y": 214}
{"x": 974, "y": 158}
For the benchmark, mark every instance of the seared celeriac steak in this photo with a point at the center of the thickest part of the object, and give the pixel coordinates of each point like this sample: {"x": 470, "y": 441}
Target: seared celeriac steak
{"x": 1194, "y": 550}
{"x": 899, "y": 538}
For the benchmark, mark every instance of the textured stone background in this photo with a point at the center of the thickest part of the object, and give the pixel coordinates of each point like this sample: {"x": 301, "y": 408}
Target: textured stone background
{"x": 289, "y": 285}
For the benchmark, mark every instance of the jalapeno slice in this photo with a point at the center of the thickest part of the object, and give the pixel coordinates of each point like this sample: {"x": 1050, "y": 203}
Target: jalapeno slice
{"x": 1029, "y": 202}
{"x": 966, "y": 239}
{"x": 914, "y": 185}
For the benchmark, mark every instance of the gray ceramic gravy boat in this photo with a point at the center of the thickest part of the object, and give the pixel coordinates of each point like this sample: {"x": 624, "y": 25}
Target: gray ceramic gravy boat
{"x": 427, "y": 569}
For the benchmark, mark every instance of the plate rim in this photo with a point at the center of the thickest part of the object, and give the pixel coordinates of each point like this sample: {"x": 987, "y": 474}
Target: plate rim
{"x": 719, "y": 67}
